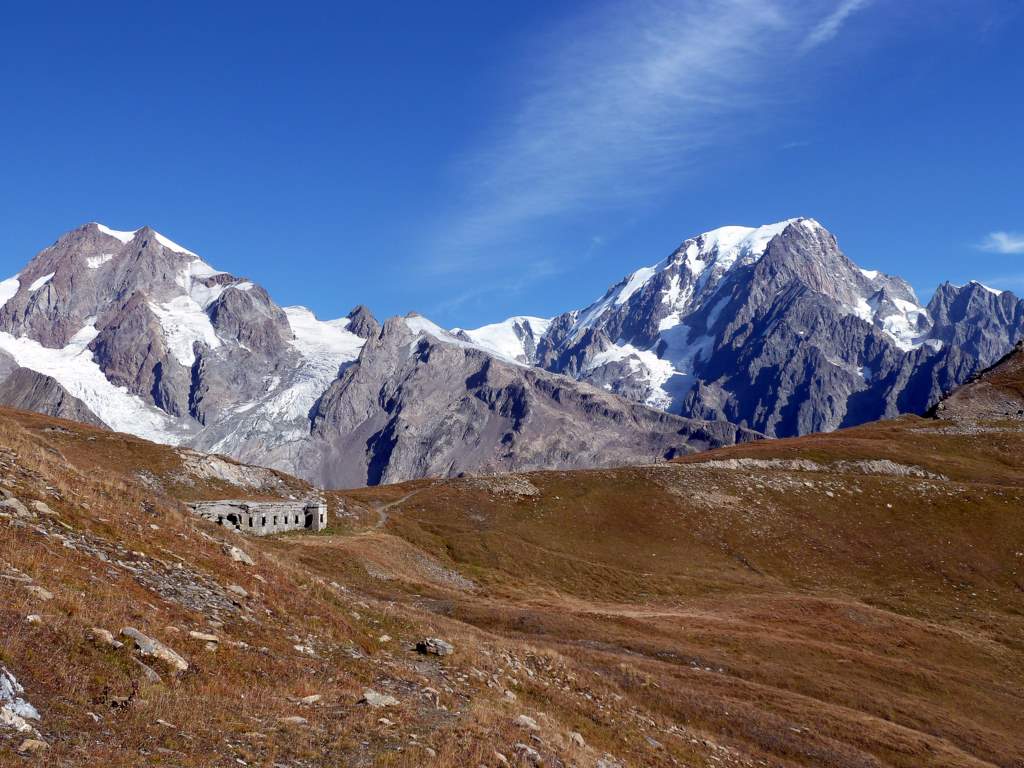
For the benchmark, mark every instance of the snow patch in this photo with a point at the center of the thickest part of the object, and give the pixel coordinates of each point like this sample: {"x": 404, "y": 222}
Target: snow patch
{"x": 191, "y": 277}
{"x": 420, "y": 326}
{"x": 870, "y": 274}
{"x": 74, "y": 369}
{"x": 993, "y": 291}
{"x": 503, "y": 339}
{"x": 184, "y": 322}
{"x": 124, "y": 237}
{"x": 168, "y": 243}
{"x": 731, "y": 245}
{"x": 95, "y": 262}
{"x": 8, "y": 289}
{"x": 325, "y": 348}
{"x": 862, "y": 310}
{"x": 634, "y": 283}
{"x": 903, "y": 326}
{"x": 39, "y": 282}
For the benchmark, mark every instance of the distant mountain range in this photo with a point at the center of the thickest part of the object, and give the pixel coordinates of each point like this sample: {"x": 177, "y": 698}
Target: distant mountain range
{"x": 738, "y": 333}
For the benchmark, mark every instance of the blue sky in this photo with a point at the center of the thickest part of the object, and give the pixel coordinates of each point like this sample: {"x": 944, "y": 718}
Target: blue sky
{"x": 472, "y": 161}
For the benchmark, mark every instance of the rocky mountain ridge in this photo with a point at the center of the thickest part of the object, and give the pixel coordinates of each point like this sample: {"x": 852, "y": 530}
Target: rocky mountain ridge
{"x": 776, "y": 329}
{"x": 133, "y": 331}
{"x": 773, "y": 329}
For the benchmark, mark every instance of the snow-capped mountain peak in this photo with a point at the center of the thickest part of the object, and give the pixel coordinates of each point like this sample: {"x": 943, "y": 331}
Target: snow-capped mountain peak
{"x": 513, "y": 339}
{"x": 153, "y": 339}
{"x": 666, "y": 332}
{"x": 771, "y": 328}
{"x": 126, "y": 236}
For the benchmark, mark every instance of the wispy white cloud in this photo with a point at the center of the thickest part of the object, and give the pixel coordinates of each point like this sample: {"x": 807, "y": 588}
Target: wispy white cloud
{"x": 619, "y": 105}
{"x": 538, "y": 269}
{"x": 1003, "y": 242}
{"x": 829, "y": 27}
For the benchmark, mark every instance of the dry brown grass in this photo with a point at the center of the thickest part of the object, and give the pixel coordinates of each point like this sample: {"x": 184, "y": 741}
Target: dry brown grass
{"x": 810, "y": 618}
{"x": 672, "y": 615}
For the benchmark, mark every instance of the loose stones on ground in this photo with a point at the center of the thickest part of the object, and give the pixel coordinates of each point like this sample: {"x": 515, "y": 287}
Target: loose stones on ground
{"x": 435, "y": 646}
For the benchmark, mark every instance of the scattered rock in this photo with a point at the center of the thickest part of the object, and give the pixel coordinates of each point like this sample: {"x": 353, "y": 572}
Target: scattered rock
{"x": 19, "y": 509}
{"x": 378, "y": 700}
{"x": 204, "y": 637}
{"x": 524, "y": 721}
{"x": 236, "y": 589}
{"x": 528, "y": 753}
{"x": 32, "y": 747}
{"x": 239, "y": 556}
{"x": 101, "y": 636}
{"x": 15, "y": 712}
{"x": 148, "y": 672}
{"x": 43, "y": 508}
{"x": 154, "y": 648}
{"x": 310, "y": 700}
{"x": 39, "y": 592}
{"x": 435, "y": 646}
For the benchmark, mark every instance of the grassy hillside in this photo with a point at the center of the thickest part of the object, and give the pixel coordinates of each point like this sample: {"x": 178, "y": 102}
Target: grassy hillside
{"x": 853, "y": 599}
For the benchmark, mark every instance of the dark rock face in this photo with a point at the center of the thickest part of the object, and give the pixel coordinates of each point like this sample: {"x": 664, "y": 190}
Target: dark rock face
{"x": 419, "y": 403}
{"x": 250, "y": 318}
{"x": 133, "y": 353}
{"x": 362, "y": 323}
{"x": 30, "y": 391}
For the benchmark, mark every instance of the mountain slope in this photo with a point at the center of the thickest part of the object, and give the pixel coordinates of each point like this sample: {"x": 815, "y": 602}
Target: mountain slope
{"x": 420, "y": 402}
{"x": 997, "y": 393}
{"x": 151, "y": 340}
{"x": 156, "y": 342}
{"x": 776, "y": 329}
{"x": 848, "y": 599}
{"x": 31, "y": 391}
{"x": 773, "y": 329}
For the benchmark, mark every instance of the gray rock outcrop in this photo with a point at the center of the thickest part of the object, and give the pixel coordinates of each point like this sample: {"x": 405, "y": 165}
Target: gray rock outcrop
{"x": 362, "y": 323}
{"x": 420, "y": 402}
{"x": 28, "y": 390}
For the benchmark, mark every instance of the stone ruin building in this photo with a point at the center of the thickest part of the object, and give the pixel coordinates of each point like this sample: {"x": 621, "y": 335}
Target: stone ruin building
{"x": 260, "y": 518}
